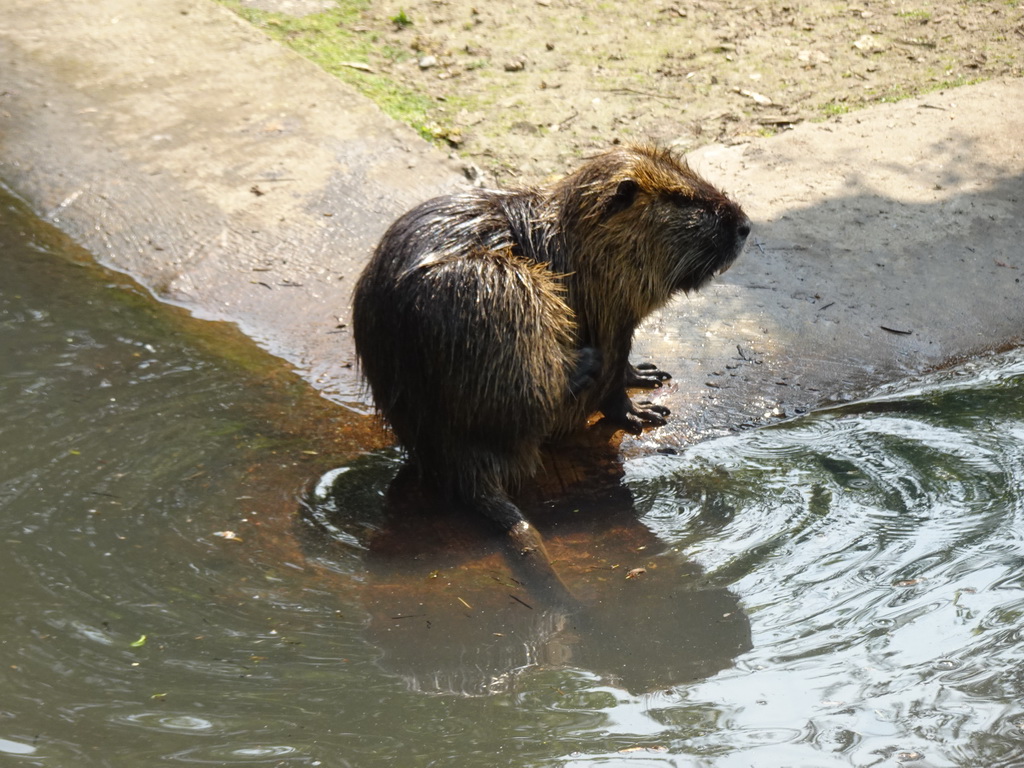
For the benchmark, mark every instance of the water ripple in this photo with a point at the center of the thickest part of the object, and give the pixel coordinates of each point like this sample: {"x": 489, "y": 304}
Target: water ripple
{"x": 877, "y": 548}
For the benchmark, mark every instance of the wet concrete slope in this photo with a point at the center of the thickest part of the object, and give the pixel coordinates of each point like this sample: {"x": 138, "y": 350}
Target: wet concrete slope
{"x": 232, "y": 177}
{"x": 224, "y": 172}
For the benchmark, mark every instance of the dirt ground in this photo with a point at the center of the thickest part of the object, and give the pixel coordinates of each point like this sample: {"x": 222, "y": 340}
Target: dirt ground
{"x": 522, "y": 90}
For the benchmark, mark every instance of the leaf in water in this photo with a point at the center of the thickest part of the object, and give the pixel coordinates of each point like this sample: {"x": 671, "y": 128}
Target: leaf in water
{"x": 140, "y": 642}
{"x": 907, "y": 582}
{"x": 229, "y": 535}
{"x": 635, "y": 573}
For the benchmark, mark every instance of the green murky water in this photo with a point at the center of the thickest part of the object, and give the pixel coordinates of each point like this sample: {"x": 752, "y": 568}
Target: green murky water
{"x": 875, "y": 554}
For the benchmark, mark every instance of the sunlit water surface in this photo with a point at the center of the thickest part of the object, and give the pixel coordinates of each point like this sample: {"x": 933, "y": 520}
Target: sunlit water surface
{"x": 876, "y": 551}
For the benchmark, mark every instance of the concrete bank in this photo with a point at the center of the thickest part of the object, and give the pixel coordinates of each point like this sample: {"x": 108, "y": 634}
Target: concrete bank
{"x": 232, "y": 177}
{"x": 222, "y": 171}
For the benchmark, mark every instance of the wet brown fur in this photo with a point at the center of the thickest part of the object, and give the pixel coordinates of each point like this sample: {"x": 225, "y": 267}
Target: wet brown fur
{"x": 489, "y": 322}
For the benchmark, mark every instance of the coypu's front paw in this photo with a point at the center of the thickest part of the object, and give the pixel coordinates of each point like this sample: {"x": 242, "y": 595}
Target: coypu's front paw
{"x": 633, "y": 417}
{"x": 645, "y": 376}
{"x": 649, "y": 414}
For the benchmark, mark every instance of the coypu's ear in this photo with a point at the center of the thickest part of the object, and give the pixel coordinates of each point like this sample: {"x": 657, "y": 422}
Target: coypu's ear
{"x": 624, "y": 196}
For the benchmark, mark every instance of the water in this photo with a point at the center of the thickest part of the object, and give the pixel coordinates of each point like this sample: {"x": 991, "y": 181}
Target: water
{"x": 877, "y": 550}
{"x": 870, "y": 559}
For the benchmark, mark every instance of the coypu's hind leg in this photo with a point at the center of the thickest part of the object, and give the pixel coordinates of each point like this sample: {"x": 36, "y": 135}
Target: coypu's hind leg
{"x": 492, "y": 342}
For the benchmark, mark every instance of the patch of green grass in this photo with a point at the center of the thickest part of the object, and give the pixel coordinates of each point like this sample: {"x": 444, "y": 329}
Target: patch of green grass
{"x": 954, "y": 83}
{"x": 891, "y": 94}
{"x": 896, "y": 93}
{"x": 833, "y": 108}
{"x": 330, "y": 40}
{"x": 401, "y": 19}
{"x": 923, "y": 15}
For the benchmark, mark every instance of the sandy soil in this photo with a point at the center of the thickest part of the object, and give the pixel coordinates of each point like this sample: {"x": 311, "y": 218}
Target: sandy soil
{"x": 524, "y": 89}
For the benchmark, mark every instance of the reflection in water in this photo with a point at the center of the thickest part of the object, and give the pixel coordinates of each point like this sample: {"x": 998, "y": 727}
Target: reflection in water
{"x": 875, "y": 551}
{"x": 451, "y": 617}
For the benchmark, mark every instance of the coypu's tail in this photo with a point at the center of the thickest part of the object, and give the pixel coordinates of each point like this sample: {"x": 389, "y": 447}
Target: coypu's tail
{"x": 530, "y": 559}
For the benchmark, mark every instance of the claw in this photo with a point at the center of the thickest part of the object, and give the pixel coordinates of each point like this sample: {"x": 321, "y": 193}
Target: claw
{"x": 637, "y": 418}
{"x": 650, "y": 408}
{"x": 645, "y": 376}
{"x": 652, "y": 414}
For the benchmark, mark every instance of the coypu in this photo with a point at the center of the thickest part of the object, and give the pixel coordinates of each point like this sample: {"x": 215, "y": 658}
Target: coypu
{"x": 490, "y": 321}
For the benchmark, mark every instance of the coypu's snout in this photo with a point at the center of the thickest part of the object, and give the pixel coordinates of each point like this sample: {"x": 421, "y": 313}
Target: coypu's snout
{"x": 740, "y": 233}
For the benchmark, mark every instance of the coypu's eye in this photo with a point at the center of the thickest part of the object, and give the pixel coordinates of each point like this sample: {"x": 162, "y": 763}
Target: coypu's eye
{"x": 625, "y": 194}
{"x": 681, "y": 198}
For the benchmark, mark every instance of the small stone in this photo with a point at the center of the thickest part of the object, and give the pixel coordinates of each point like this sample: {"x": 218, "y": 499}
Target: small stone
{"x": 427, "y": 62}
{"x": 758, "y": 98}
{"x": 813, "y": 57}
{"x": 867, "y": 44}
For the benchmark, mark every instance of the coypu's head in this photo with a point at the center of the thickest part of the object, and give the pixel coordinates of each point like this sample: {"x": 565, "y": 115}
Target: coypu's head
{"x": 647, "y": 208}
